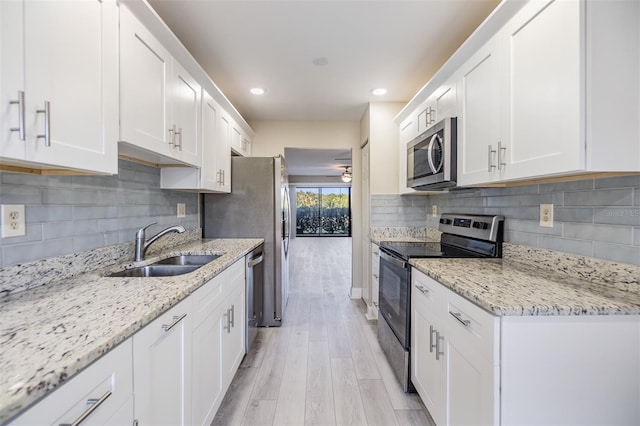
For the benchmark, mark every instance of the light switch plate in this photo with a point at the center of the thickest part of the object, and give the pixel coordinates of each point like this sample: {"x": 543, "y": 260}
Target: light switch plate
{"x": 182, "y": 210}
{"x": 13, "y": 220}
{"x": 546, "y": 215}
{"x": 434, "y": 210}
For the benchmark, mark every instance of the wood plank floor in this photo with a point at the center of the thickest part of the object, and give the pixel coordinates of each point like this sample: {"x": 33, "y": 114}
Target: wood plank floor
{"x": 324, "y": 365}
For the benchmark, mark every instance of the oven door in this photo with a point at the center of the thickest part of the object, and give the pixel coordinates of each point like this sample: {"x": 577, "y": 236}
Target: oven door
{"x": 394, "y": 295}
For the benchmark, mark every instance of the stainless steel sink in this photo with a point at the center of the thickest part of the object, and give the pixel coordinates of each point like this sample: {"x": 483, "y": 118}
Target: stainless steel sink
{"x": 169, "y": 267}
{"x": 189, "y": 259}
{"x": 156, "y": 271}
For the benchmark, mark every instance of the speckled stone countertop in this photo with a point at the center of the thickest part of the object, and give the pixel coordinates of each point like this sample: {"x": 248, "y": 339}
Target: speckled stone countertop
{"x": 507, "y": 287}
{"x": 51, "y": 332}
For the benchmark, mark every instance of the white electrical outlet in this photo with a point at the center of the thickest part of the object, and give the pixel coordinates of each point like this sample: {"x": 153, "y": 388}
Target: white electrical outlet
{"x": 182, "y": 210}
{"x": 13, "y": 220}
{"x": 434, "y": 211}
{"x": 546, "y": 215}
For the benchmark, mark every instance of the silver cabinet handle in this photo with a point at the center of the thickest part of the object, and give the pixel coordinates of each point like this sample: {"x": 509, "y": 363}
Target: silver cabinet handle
{"x": 458, "y": 316}
{"x": 20, "y": 103}
{"x": 490, "y": 159}
{"x": 47, "y": 123}
{"x": 431, "y": 345}
{"x": 172, "y": 135}
{"x": 228, "y": 326}
{"x": 233, "y": 316}
{"x": 439, "y": 353}
{"x": 93, "y": 406}
{"x": 502, "y": 150}
{"x": 176, "y": 320}
{"x": 219, "y": 177}
{"x": 422, "y": 289}
{"x": 223, "y": 176}
{"x": 179, "y": 133}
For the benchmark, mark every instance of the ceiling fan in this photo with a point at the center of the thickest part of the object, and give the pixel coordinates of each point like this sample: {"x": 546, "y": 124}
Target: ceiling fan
{"x": 346, "y": 175}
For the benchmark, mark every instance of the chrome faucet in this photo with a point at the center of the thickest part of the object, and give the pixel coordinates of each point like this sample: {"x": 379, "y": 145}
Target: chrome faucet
{"x": 142, "y": 244}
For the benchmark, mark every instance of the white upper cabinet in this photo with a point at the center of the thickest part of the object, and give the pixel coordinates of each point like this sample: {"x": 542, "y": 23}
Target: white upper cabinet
{"x": 214, "y": 174}
{"x": 159, "y": 99}
{"x": 540, "y": 98}
{"x": 479, "y": 118}
{"x": 59, "y": 84}
{"x": 240, "y": 142}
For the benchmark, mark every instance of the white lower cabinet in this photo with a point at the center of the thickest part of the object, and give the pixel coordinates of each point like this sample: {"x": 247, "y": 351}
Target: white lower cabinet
{"x": 162, "y": 368}
{"x": 174, "y": 371}
{"x": 454, "y": 351}
{"x": 103, "y": 392}
{"x": 471, "y": 367}
{"x": 218, "y": 340}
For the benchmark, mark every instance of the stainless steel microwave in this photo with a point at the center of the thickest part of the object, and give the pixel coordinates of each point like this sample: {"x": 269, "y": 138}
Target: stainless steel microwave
{"x": 431, "y": 157}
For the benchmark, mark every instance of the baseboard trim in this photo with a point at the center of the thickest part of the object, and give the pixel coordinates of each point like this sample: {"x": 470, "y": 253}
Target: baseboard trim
{"x": 372, "y": 313}
{"x": 355, "y": 293}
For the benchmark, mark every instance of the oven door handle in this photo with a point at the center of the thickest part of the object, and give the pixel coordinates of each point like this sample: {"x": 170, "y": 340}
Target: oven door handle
{"x": 397, "y": 262}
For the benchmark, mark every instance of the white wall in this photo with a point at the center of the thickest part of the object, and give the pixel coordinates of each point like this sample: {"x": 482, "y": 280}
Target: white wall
{"x": 272, "y": 137}
{"x": 383, "y": 155}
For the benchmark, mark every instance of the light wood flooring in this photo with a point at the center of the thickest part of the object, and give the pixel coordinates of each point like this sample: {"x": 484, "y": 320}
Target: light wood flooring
{"x": 324, "y": 365}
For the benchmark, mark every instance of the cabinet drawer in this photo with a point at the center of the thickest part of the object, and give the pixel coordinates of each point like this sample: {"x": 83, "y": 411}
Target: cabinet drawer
{"x": 470, "y": 327}
{"x": 426, "y": 294}
{"x": 106, "y": 385}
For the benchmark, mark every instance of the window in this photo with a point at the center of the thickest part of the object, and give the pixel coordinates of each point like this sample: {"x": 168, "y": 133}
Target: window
{"x": 323, "y": 211}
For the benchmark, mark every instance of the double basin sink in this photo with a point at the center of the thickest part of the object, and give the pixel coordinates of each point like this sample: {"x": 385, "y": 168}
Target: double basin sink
{"x": 172, "y": 266}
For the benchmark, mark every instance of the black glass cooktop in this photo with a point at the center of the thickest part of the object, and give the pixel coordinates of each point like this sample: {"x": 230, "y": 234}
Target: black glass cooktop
{"x": 407, "y": 250}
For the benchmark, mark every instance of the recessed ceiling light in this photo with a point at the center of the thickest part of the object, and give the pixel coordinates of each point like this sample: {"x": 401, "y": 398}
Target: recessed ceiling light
{"x": 257, "y": 91}
{"x": 379, "y": 92}
{"x": 320, "y": 61}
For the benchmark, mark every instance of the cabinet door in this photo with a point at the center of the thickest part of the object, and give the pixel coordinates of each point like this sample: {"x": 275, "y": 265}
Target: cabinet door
{"x": 70, "y": 71}
{"x": 479, "y": 115}
{"x": 375, "y": 280}
{"x": 186, "y": 116}
{"x": 207, "y": 386}
{"x": 216, "y": 164}
{"x": 544, "y": 95}
{"x": 162, "y": 369}
{"x": 145, "y": 89}
{"x": 428, "y": 374}
{"x": 445, "y": 100}
{"x": 470, "y": 388}
{"x": 11, "y": 78}
{"x": 235, "y": 137}
{"x": 233, "y": 339}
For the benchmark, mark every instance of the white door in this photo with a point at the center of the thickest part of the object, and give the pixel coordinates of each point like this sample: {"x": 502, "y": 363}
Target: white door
{"x": 186, "y": 116}
{"x": 479, "y": 115}
{"x": 11, "y": 79}
{"x": 208, "y": 383}
{"x": 233, "y": 338}
{"x": 162, "y": 368}
{"x": 543, "y": 41}
{"x": 145, "y": 89}
{"x": 70, "y": 83}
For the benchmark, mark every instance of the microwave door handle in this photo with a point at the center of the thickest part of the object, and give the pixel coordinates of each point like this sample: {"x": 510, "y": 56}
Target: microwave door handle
{"x": 433, "y": 167}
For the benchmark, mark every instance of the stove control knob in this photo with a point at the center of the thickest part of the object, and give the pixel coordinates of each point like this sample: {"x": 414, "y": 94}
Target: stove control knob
{"x": 445, "y": 221}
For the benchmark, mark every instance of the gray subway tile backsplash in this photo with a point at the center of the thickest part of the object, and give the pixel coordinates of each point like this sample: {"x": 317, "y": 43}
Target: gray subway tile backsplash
{"x": 65, "y": 214}
{"x": 592, "y": 217}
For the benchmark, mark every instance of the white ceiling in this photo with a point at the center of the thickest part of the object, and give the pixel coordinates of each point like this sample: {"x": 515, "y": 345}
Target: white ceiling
{"x": 396, "y": 44}
{"x": 316, "y": 162}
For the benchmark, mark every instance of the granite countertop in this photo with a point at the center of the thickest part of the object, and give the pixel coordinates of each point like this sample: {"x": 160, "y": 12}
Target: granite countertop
{"x": 505, "y": 287}
{"x": 51, "y": 332}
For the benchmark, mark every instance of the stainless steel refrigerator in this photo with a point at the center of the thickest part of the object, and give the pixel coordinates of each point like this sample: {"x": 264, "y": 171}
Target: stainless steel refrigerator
{"x": 258, "y": 207}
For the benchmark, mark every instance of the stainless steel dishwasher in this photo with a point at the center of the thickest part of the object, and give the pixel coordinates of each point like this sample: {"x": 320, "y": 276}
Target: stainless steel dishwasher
{"x": 254, "y": 290}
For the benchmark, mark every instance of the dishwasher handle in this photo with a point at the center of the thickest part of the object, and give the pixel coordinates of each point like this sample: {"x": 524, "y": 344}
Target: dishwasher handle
{"x": 255, "y": 260}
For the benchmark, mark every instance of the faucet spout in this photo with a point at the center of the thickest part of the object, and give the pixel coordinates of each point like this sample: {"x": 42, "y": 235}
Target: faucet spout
{"x": 142, "y": 244}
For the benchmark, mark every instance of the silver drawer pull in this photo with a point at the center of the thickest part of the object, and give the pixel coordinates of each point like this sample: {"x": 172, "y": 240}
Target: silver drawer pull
{"x": 422, "y": 289}
{"x": 491, "y": 166}
{"x": 179, "y": 133}
{"x": 94, "y": 404}
{"x": 458, "y": 316}
{"x": 176, "y": 320}
{"x": 20, "y": 103}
